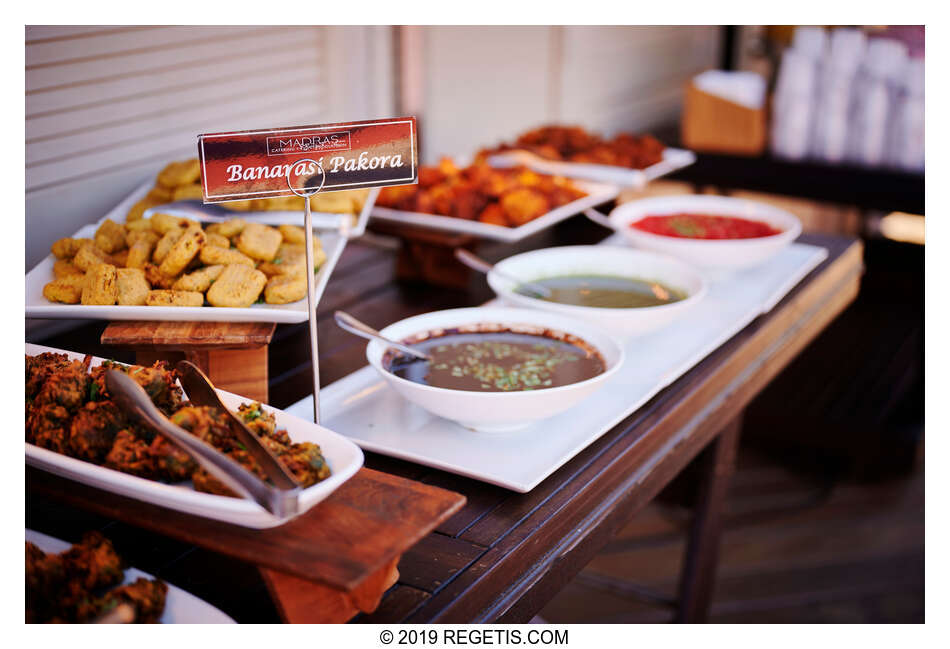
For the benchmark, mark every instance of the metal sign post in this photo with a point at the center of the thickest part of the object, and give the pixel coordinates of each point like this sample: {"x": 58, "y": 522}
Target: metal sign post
{"x": 252, "y": 164}
{"x": 311, "y": 300}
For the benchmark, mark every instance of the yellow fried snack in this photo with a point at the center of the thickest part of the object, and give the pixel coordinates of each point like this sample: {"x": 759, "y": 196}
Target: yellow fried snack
{"x": 165, "y": 244}
{"x": 333, "y": 202}
{"x": 156, "y": 278}
{"x": 100, "y": 286}
{"x": 277, "y": 203}
{"x": 64, "y": 289}
{"x": 176, "y": 174}
{"x": 140, "y": 253}
{"x": 120, "y": 259}
{"x": 218, "y": 240}
{"x": 110, "y": 236}
{"x": 136, "y": 211}
{"x": 63, "y": 268}
{"x": 293, "y": 234}
{"x": 188, "y": 192}
{"x": 158, "y": 195}
{"x": 174, "y": 298}
{"x": 142, "y": 235}
{"x": 291, "y": 259}
{"x": 184, "y": 250}
{"x": 259, "y": 241}
{"x": 200, "y": 280}
{"x": 213, "y": 255}
{"x": 66, "y": 247}
{"x": 88, "y": 256}
{"x": 239, "y": 206}
{"x": 132, "y": 289}
{"x": 282, "y": 289}
{"x": 227, "y": 229}
{"x": 142, "y": 225}
{"x": 237, "y": 286}
{"x": 162, "y": 222}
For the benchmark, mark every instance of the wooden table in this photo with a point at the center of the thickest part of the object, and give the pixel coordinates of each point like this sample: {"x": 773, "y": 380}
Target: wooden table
{"x": 504, "y": 555}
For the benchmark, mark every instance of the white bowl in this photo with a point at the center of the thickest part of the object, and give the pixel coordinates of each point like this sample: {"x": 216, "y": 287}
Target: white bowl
{"x": 602, "y": 260}
{"x": 496, "y": 411}
{"x": 707, "y": 253}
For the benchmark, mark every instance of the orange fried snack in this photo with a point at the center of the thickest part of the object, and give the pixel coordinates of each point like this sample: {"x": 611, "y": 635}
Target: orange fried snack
{"x": 505, "y": 197}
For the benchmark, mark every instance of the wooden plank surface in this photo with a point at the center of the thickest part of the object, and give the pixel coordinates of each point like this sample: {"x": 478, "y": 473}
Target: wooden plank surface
{"x": 366, "y": 523}
{"x": 180, "y": 336}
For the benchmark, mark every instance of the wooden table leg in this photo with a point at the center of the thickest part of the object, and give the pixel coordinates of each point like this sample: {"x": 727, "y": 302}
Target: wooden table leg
{"x": 303, "y": 602}
{"x": 698, "y": 576}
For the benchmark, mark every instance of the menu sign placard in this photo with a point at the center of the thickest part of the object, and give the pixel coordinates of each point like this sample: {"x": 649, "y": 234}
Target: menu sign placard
{"x": 302, "y": 159}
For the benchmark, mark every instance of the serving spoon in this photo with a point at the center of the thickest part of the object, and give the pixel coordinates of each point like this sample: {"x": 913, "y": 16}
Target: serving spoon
{"x": 354, "y": 326}
{"x": 475, "y": 262}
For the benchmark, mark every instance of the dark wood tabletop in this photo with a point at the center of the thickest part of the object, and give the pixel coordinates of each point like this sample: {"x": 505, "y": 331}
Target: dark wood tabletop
{"x": 504, "y": 555}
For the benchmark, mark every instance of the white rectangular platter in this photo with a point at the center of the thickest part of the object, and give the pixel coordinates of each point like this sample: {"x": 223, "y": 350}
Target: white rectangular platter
{"x": 37, "y": 306}
{"x": 342, "y": 455}
{"x": 363, "y": 407}
{"x": 181, "y": 607}
{"x": 597, "y": 193}
{"x": 673, "y": 159}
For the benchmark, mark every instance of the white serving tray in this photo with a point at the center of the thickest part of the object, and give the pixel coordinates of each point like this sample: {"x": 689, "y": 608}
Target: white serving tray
{"x": 673, "y": 159}
{"x": 181, "y": 607}
{"x": 597, "y": 193}
{"x": 37, "y": 306}
{"x": 364, "y": 408}
{"x": 343, "y": 457}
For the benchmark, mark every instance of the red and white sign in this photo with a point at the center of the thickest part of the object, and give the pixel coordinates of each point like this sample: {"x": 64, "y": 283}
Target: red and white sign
{"x": 259, "y": 164}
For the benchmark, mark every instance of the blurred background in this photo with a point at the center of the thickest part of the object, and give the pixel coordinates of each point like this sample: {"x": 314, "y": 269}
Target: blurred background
{"x": 826, "y": 514}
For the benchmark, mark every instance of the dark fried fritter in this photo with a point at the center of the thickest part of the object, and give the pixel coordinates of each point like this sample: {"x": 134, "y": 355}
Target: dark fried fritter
{"x": 93, "y": 562}
{"x": 38, "y": 369}
{"x": 47, "y": 426}
{"x": 306, "y": 462}
{"x": 574, "y": 144}
{"x": 147, "y": 596}
{"x": 67, "y": 386}
{"x": 261, "y": 422}
{"x": 158, "y": 381}
{"x": 130, "y": 454}
{"x": 207, "y": 424}
{"x": 170, "y": 462}
{"x": 93, "y": 430}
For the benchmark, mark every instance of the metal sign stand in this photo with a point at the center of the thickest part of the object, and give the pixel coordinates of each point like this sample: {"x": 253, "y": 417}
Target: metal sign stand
{"x": 311, "y": 301}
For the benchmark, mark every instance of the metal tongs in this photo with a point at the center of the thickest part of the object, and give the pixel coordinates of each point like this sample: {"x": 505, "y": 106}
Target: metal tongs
{"x": 280, "y": 499}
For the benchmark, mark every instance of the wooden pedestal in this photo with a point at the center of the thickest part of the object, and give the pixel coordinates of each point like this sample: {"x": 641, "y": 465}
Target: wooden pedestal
{"x": 326, "y": 565}
{"x": 429, "y": 255}
{"x": 232, "y": 354}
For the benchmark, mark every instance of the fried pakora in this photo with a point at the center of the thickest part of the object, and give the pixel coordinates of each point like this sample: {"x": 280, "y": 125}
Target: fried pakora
{"x": 574, "y": 144}
{"x": 70, "y": 411}
{"x": 506, "y": 197}
{"x": 74, "y": 586}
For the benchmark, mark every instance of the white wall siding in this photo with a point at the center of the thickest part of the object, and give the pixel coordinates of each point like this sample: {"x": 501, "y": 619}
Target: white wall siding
{"x": 484, "y": 84}
{"x": 107, "y": 107}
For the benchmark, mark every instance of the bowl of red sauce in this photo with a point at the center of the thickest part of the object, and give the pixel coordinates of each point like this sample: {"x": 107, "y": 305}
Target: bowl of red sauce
{"x": 715, "y": 232}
